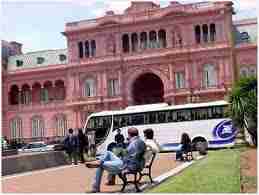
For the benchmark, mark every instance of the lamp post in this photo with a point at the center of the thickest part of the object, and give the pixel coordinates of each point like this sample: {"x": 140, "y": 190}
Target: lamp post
{"x": 193, "y": 98}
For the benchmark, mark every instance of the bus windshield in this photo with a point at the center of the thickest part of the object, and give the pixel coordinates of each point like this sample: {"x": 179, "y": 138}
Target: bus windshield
{"x": 101, "y": 125}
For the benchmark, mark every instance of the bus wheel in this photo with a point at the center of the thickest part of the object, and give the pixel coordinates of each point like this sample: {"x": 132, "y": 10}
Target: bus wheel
{"x": 200, "y": 145}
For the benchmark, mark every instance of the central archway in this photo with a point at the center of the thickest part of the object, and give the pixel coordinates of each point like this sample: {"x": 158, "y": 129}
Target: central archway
{"x": 148, "y": 88}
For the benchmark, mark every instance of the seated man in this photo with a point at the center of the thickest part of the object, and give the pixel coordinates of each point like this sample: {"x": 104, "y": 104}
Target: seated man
{"x": 151, "y": 147}
{"x": 151, "y": 144}
{"x": 133, "y": 160}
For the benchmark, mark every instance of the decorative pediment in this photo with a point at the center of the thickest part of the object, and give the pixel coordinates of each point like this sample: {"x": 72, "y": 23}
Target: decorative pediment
{"x": 173, "y": 13}
{"x": 108, "y": 22}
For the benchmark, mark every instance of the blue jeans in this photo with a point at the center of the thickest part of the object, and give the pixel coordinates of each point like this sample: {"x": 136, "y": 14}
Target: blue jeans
{"x": 179, "y": 152}
{"x": 110, "y": 163}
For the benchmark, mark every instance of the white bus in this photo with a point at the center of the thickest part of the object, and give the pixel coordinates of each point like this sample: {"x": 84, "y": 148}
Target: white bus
{"x": 203, "y": 122}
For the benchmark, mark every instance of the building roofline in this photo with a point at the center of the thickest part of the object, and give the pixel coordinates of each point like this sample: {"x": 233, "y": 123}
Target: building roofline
{"x": 39, "y": 51}
{"x": 245, "y": 21}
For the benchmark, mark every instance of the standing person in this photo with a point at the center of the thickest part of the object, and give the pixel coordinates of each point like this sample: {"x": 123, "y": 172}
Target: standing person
{"x": 86, "y": 143}
{"x": 82, "y": 144}
{"x": 134, "y": 159}
{"x": 71, "y": 144}
{"x": 119, "y": 138}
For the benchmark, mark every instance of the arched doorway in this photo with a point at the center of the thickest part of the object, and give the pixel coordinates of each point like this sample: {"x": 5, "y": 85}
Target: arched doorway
{"x": 148, "y": 88}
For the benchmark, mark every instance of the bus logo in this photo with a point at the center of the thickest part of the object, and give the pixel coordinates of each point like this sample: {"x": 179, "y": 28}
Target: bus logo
{"x": 224, "y": 129}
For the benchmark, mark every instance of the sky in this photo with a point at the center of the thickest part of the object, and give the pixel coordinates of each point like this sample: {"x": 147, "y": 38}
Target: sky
{"x": 38, "y": 24}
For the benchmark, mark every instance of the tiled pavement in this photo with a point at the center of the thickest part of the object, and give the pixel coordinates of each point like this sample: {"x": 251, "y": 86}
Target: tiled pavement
{"x": 74, "y": 179}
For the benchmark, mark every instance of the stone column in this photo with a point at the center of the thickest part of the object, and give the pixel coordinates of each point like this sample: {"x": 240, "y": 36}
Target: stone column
{"x": 168, "y": 38}
{"x": 148, "y": 41}
{"x": 19, "y": 96}
{"x": 130, "y": 45}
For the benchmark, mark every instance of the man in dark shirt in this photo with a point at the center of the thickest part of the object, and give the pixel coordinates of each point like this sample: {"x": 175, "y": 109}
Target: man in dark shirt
{"x": 71, "y": 144}
{"x": 119, "y": 138}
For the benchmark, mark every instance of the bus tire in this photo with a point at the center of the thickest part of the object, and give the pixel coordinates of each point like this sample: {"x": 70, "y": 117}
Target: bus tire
{"x": 201, "y": 145}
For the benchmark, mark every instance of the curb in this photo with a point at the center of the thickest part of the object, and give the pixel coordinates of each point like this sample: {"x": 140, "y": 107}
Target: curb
{"x": 158, "y": 180}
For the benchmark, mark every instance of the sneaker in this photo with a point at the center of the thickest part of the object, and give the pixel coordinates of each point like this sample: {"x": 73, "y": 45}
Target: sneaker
{"x": 110, "y": 183}
{"x": 94, "y": 191}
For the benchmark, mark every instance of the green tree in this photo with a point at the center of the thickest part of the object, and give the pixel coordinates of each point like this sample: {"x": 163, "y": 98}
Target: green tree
{"x": 243, "y": 107}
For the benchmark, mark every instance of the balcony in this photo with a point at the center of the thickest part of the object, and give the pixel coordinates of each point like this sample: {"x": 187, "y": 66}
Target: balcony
{"x": 196, "y": 91}
{"x": 37, "y": 106}
{"x": 155, "y": 52}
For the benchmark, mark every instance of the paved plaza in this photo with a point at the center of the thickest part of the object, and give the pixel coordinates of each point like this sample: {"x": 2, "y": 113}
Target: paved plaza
{"x": 75, "y": 179}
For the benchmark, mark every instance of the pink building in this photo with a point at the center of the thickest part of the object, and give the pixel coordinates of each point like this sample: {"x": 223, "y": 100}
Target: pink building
{"x": 178, "y": 54}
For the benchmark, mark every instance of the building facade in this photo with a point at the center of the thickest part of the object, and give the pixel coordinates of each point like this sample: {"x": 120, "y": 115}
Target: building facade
{"x": 178, "y": 54}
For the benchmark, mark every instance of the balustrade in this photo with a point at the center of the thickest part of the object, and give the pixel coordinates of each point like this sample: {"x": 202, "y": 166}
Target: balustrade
{"x": 36, "y": 106}
{"x": 148, "y": 52}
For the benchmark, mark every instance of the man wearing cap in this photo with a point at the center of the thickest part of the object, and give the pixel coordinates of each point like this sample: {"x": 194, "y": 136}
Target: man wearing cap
{"x": 133, "y": 160}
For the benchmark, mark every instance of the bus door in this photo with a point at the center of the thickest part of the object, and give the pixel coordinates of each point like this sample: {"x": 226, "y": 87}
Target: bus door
{"x": 91, "y": 143}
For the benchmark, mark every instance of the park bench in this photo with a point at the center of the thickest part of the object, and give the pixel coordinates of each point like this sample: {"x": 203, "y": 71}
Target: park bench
{"x": 146, "y": 171}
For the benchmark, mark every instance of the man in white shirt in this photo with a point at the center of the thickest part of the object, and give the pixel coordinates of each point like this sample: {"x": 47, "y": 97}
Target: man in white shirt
{"x": 151, "y": 145}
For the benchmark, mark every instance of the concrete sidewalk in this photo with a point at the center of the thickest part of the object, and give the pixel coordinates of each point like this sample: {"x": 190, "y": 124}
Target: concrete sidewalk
{"x": 75, "y": 179}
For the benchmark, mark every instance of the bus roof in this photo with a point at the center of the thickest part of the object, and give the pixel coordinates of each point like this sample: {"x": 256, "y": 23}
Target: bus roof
{"x": 156, "y": 107}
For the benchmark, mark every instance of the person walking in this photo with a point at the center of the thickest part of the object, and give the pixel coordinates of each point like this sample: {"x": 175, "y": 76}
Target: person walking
{"x": 71, "y": 144}
{"x": 82, "y": 144}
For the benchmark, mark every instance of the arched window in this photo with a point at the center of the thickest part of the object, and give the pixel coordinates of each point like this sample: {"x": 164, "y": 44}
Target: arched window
{"x": 60, "y": 90}
{"x": 209, "y": 76}
{"x": 93, "y": 48}
{"x": 16, "y": 128}
{"x": 212, "y": 32}
{"x": 205, "y": 33}
{"x": 198, "y": 34}
{"x": 87, "y": 52}
{"x": 125, "y": 43}
{"x": 152, "y": 39}
{"x": 80, "y": 50}
{"x": 143, "y": 40}
{"x": 26, "y": 95}
{"x": 244, "y": 72}
{"x": 37, "y": 127}
{"x": 89, "y": 88}
{"x": 14, "y": 95}
{"x": 61, "y": 125}
{"x": 134, "y": 42}
{"x": 44, "y": 95}
{"x": 162, "y": 38}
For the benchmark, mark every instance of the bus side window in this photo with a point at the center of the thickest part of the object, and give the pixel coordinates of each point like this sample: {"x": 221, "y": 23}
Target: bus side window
{"x": 210, "y": 113}
{"x": 174, "y": 114}
{"x": 219, "y": 112}
{"x": 161, "y": 117}
{"x": 138, "y": 119}
{"x": 179, "y": 116}
{"x": 204, "y": 114}
{"x": 146, "y": 118}
{"x": 196, "y": 114}
{"x": 115, "y": 122}
{"x": 188, "y": 116}
{"x": 152, "y": 117}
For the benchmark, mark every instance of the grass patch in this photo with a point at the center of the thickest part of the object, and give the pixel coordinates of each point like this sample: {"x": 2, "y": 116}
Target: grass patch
{"x": 218, "y": 173}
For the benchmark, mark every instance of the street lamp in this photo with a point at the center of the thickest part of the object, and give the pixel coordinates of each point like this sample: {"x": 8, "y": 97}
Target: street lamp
{"x": 193, "y": 97}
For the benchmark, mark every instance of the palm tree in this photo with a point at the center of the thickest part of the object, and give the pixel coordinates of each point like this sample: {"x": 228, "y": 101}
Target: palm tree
{"x": 243, "y": 107}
